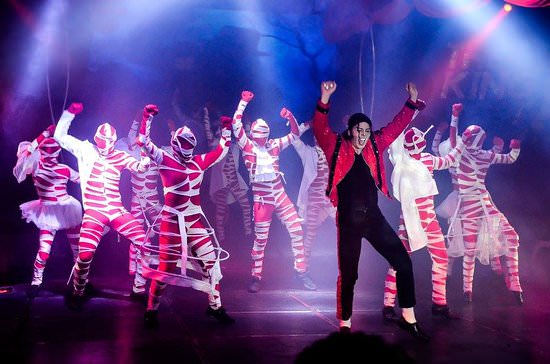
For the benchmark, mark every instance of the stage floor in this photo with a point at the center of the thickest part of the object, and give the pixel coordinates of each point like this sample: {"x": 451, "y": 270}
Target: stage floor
{"x": 273, "y": 325}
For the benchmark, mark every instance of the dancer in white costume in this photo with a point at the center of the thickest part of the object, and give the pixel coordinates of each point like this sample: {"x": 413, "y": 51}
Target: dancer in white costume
{"x": 55, "y": 209}
{"x": 414, "y": 187}
{"x": 100, "y": 167}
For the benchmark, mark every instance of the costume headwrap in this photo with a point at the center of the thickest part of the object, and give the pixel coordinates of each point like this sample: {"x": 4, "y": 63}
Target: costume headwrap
{"x": 183, "y": 143}
{"x": 259, "y": 130}
{"x": 105, "y": 138}
{"x": 49, "y": 149}
{"x": 473, "y": 137}
{"x": 414, "y": 140}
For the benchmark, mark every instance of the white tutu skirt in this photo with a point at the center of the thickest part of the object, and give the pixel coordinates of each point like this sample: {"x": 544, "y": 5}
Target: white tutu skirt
{"x": 53, "y": 215}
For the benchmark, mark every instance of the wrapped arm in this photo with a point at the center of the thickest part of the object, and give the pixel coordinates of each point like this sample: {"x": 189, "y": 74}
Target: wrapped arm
{"x": 451, "y": 159}
{"x": 207, "y": 160}
{"x": 509, "y": 158}
{"x": 237, "y": 122}
{"x": 294, "y": 134}
{"x": 68, "y": 142}
{"x": 144, "y": 138}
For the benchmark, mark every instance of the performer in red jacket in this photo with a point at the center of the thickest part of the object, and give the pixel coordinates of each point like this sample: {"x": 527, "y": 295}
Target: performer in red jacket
{"x": 358, "y": 173}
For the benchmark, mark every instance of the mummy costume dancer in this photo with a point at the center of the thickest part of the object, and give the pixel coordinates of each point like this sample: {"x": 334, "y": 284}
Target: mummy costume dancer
{"x": 100, "y": 166}
{"x": 313, "y": 204}
{"x": 261, "y": 158}
{"x": 478, "y": 229}
{"x": 414, "y": 186}
{"x": 184, "y": 229}
{"x": 447, "y": 208}
{"x": 145, "y": 204}
{"x": 55, "y": 209}
{"x": 226, "y": 183}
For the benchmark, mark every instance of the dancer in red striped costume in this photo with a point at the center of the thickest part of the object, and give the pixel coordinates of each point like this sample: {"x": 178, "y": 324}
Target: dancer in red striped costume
{"x": 100, "y": 166}
{"x": 478, "y": 229}
{"x": 261, "y": 158}
{"x": 414, "y": 186}
{"x": 226, "y": 183}
{"x": 184, "y": 230}
{"x": 55, "y": 209}
{"x": 447, "y": 208}
{"x": 145, "y": 204}
{"x": 313, "y": 204}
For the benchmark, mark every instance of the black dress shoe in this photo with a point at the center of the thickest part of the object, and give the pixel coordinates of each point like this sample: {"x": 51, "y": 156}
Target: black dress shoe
{"x": 345, "y": 330}
{"x": 413, "y": 329}
{"x": 220, "y": 314}
{"x": 519, "y": 297}
{"x": 388, "y": 314}
{"x": 443, "y": 311}
{"x": 468, "y": 296}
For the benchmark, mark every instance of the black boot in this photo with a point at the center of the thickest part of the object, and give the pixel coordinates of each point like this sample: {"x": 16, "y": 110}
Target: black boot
{"x": 389, "y": 315}
{"x": 413, "y": 329}
{"x": 468, "y": 297}
{"x": 443, "y": 311}
{"x": 519, "y": 297}
{"x": 140, "y": 297}
{"x": 306, "y": 281}
{"x": 151, "y": 319}
{"x": 74, "y": 300}
{"x": 254, "y": 285}
{"x": 220, "y": 314}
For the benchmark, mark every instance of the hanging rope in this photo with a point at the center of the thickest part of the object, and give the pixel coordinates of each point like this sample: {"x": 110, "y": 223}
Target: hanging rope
{"x": 67, "y": 78}
{"x": 360, "y": 70}
{"x": 373, "y": 53}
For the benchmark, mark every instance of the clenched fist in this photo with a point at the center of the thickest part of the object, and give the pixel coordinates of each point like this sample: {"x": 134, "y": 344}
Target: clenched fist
{"x": 75, "y": 108}
{"x": 150, "y": 110}
{"x": 226, "y": 122}
{"x": 247, "y": 96}
{"x": 457, "y": 109}
{"x": 515, "y": 144}
{"x": 285, "y": 113}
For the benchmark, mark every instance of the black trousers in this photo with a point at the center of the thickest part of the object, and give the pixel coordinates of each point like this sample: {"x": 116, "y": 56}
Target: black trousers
{"x": 371, "y": 225}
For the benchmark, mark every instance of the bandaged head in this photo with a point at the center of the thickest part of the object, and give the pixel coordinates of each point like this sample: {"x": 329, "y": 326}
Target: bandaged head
{"x": 49, "y": 149}
{"x": 259, "y": 131}
{"x": 183, "y": 143}
{"x": 414, "y": 140}
{"x": 473, "y": 137}
{"x": 105, "y": 138}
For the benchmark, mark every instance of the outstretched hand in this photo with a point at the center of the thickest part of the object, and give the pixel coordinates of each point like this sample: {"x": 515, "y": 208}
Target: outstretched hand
{"x": 75, "y": 108}
{"x": 247, "y": 96}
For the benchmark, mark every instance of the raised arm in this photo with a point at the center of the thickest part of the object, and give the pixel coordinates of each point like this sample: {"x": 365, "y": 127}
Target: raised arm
{"x": 451, "y": 159}
{"x": 207, "y": 160}
{"x": 238, "y": 130}
{"x": 144, "y": 138}
{"x": 437, "y": 137}
{"x": 294, "y": 134}
{"x": 453, "y": 131}
{"x": 386, "y": 135}
{"x": 321, "y": 129}
{"x": 66, "y": 141}
{"x": 510, "y": 157}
